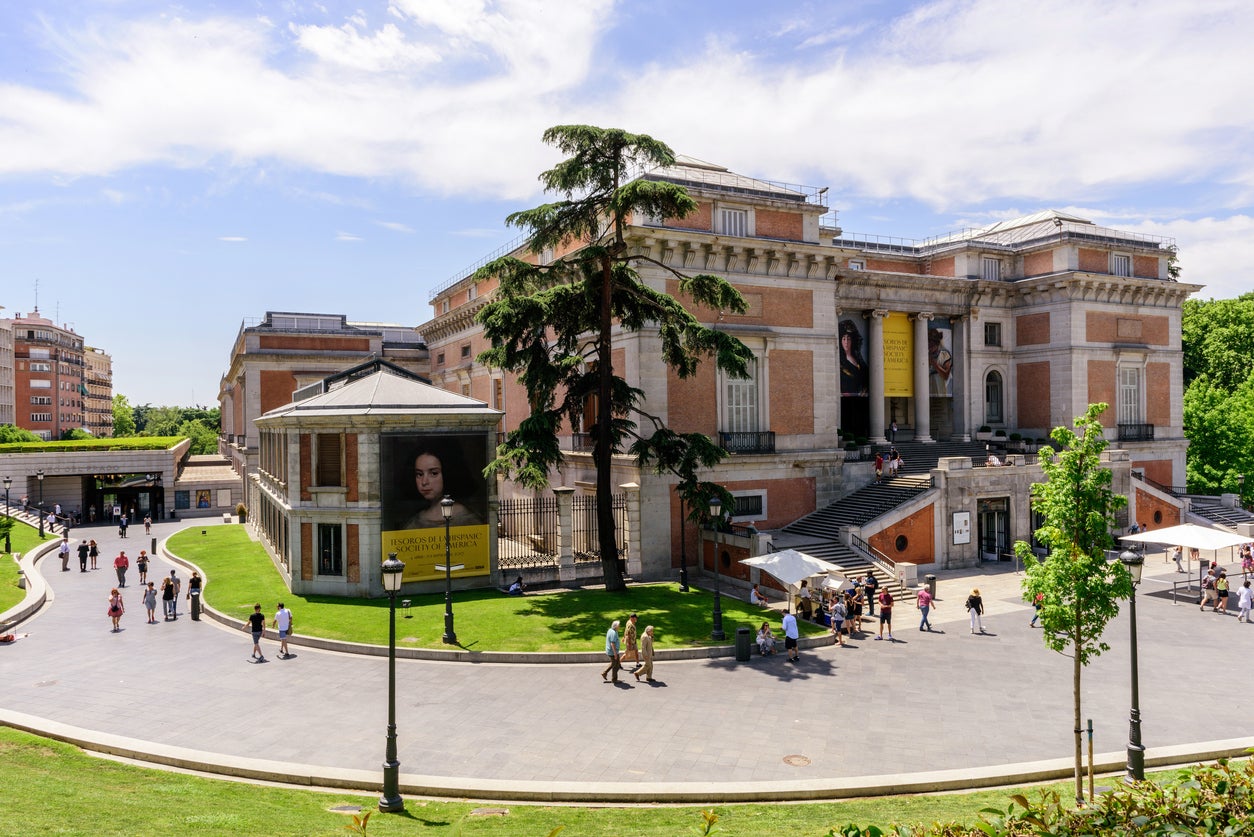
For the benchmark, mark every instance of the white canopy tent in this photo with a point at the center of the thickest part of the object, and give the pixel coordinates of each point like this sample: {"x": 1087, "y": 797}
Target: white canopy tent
{"x": 790, "y": 568}
{"x": 1191, "y": 536}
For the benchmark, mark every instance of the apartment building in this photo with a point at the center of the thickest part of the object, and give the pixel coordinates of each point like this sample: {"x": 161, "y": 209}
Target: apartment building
{"x": 1016, "y": 328}
{"x": 98, "y": 404}
{"x": 7, "y": 414}
{"x": 49, "y": 379}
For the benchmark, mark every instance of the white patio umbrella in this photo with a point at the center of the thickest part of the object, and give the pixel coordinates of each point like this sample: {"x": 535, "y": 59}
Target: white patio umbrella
{"x": 791, "y": 567}
{"x": 1189, "y": 535}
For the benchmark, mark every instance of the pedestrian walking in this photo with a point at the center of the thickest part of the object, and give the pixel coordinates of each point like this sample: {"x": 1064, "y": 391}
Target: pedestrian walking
{"x": 141, "y": 564}
{"x": 871, "y": 586}
{"x": 116, "y": 609}
{"x": 167, "y": 599}
{"x": 975, "y": 607}
{"x": 194, "y": 585}
{"x": 257, "y": 624}
{"x": 879, "y": 466}
{"x": 646, "y": 652}
{"x": 122, "y": 527}
{"x": 1177, "y": 554}
{"x": 282, "y": 624}
{"x": 1221, "y": 593}
{"x": 147, "y": 525}
{"x": 1245, "y": 598}
{"x": 924, "y": 602}
{"x": 791, "y": 635}
{"x": 892, "y": 432}
{"x": 150, "y": 602}
{"x": 121, "y": 564}
{"x": 838, "y": 612}
{"x": 52, "y": 522}
{"x": 1208, "y": 591}
{"x": 83, "y": 550}
{"x": 629, "y": 640}
{"x": 612, "y": 651}
{"x": 1037, "y": 603}
{"x": 178, "y": 586}
{"x": 64, "y": 551}
{"x": 1247, "y": 563}
{"x": 886, "y": 614}
{"x": 93, "y": 552}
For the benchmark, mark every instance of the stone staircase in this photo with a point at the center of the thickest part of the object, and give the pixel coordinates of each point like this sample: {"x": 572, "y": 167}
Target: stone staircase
{"x": 818, "y": 533}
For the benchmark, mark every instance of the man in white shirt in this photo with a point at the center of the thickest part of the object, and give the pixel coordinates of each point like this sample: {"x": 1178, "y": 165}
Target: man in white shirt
{"x": 791, "y": 636}
{"x": 283, "y": 624}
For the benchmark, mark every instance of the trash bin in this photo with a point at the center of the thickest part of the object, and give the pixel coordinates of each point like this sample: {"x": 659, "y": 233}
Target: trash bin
{"x": 744, "y": 641}
{"x": 931, "y": 584}
{"x": 195, "y": 594}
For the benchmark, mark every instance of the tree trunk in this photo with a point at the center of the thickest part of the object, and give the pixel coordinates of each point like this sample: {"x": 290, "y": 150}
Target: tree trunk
{"x": 1079, "y": 741}
{"x": 603, "y": 451}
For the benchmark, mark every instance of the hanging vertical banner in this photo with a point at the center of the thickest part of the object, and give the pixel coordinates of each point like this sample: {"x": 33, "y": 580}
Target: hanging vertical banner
{"x": 898, "y": 355}
{"x": 940, "y": 360}
{"x": 854, "y": 373}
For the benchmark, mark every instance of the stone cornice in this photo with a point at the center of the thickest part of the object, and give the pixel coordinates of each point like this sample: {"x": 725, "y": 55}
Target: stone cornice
{"x": 445, "y": 326}
{"x": 702, "y": 252}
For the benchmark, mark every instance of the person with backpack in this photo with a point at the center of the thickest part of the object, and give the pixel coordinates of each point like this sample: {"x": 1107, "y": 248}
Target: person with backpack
{"x": 1221, "y": 593}
{"x": 975, "y": 607}
{"x": 1037, "y": 603}
{"x": 1208, "y": 591}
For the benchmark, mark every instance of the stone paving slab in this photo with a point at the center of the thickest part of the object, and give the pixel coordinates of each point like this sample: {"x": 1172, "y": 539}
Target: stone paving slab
{"x": 943, "y": 702}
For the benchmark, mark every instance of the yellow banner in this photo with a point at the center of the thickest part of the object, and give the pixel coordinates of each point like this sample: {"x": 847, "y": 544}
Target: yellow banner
{"x": 898, "y": 355}
{"x": 423, "y": 549}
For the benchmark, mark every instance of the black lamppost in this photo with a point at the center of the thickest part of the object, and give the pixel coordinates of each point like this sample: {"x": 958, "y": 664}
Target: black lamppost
{"x": 40, "y": 476}
{"x": 1134, "y": 562}
{"x": 391, "y": 801}
{"x": 8, "y": 483}
{"x": 683, "y": 548}
{"x": 450, "y": 635}
{"x": 1241, "y": 490}
{"x": 716, "y": 516}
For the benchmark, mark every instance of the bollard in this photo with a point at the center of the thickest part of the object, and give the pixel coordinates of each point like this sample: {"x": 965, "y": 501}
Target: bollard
{"x": 195, "y": 605}
{"x": 931, "y": 584}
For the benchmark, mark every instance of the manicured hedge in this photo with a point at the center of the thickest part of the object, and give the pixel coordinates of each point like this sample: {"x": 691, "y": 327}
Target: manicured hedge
{"x": 125, "y": 443}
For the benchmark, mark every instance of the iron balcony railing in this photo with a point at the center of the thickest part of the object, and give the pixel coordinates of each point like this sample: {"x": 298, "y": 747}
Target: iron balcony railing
{"x": 1136, "y": 432}
{"x": 758, "y": 441}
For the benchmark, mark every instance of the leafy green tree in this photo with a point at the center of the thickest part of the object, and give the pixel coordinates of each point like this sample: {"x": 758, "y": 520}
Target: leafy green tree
{"x": 161, "y": 421}
{"x": 1217, "y": 336}
{"x": 123, "y": 418}
{"x": 1081, "y": 589}
{"x": 552, "y": 323}
{"x": 13, "y": 433}
{"x": 1220, "y": 427}
{"x": 204, "y": 439}
{"x": 75, "y": 434}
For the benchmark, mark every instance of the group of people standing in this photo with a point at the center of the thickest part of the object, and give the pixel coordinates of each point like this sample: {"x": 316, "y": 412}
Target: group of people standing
{"x": 888, "y": 463}
{"x": 638, "y": 647}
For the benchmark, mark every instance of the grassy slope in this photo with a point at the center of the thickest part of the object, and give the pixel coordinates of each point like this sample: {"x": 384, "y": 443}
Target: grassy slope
{"x": 23, "y": 538}
{"x": 54, "y": 788}
{"x": 240, "y": 574}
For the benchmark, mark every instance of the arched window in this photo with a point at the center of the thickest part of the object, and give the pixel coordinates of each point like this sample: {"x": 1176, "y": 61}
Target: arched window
{"x": 993, "y": 398}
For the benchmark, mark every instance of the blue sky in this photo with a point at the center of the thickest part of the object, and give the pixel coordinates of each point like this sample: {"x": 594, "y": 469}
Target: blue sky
{"x": 168, "y": 170}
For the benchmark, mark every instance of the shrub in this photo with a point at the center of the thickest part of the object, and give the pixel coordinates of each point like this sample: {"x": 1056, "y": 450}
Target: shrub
{"x": 1000, "y": 434}
{"x": 984, "y": 428}
{"x": 1016, "y": 437}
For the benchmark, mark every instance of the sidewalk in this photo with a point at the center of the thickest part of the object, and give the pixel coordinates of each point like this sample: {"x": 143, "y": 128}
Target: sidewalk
{"x": 865, "y": 718}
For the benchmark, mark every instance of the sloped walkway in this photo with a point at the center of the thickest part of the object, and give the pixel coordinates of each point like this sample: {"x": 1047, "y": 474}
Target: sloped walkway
{"x": 928, "y": 711}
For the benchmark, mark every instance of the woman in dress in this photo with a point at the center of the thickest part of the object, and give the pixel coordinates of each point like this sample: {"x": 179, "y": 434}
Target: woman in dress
{"x": 116, "y": 608}
{"x": 150, "y": 602}
{"x": 93, "y": 552}
{"x": 766, "y": 640}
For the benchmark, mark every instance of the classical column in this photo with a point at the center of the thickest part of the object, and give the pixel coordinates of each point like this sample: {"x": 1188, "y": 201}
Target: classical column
{"x": 631, "y": 523}
{"x": 922, "y": 380}
{"x": 962, "y": 363}
{"x": 875, "y": 364}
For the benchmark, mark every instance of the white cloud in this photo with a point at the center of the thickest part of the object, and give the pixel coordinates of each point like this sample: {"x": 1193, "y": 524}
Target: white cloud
{"x": 1215, "y": 252}
{"x": 232, "y": 238}
{"x": 395, "y": 226}
{"x": 344, "y": 236}
{"x": 347, "y": 46}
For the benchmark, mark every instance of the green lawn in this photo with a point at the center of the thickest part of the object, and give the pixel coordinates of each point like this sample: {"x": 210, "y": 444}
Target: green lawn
{"x": 240, "y": 574}
{"x": 54, "y": 788}
{"x": 112, "y": 443}
{"x": 23, "y": 538}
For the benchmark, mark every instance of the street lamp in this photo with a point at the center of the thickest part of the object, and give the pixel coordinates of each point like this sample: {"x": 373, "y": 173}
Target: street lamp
{"x": 1134, "y": 562}
{"x": 8, "y": 483}
{"x": 1241, "y": 490}
{"x": 391, "y": 802}
{"x": 40, "y": 476}
{"x": 716, "y": 514}
{"x": 450, "y": 635}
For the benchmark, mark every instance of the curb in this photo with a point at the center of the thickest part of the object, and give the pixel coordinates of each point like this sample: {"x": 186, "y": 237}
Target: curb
{"x": 288, "y": 773}
{"x": 37, "y": 593}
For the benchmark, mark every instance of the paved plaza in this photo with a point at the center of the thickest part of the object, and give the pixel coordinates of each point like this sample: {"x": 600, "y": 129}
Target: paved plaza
{"x": 937, "y": 709}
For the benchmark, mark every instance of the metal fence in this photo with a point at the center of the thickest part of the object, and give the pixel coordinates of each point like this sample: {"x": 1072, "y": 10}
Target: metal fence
{"x": 527, "y": 531}
{"x": 587, "y": 546}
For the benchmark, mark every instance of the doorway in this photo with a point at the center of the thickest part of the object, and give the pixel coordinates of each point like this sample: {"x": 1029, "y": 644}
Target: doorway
{"x": 994, "y": 528}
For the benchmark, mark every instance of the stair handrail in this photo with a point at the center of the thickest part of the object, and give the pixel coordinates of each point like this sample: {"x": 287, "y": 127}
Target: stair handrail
{"x": 874, "y": 555}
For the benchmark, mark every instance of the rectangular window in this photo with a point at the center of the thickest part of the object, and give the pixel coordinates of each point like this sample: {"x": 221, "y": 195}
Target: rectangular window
{"x": 41, "y": 400}
{"x": 857, "y": 264}
{"x": 472, "y": 291}
{"x": 439, "y": 359}
{"x": 330, "y": 549}
{"x": 741, "y": 407}
{"x": 992, "y": 334}
{"x": 182, "y": 499}
{"x": 1129, "y": 411}
{"x": 466, "y": 390}
{"x": 751, "y": 506}
{"x": 1120, "y": 264}
{"x": 40, "y": 367}
{"x": 466, "y": 351}
{"x": 329, "y": 459}
{"x": 990, "y": 269}
{"x": 498, "y": 394}
{"x": 734, "y": 222}
{"x": 444, "y": 306}
{"x": 41, "y": 416}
